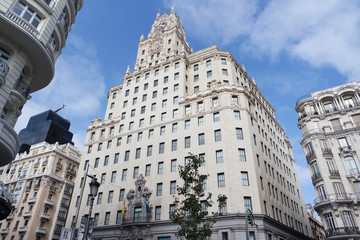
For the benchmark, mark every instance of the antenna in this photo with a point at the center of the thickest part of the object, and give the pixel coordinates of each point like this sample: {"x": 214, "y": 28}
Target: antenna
{"x": 63, "y": 106}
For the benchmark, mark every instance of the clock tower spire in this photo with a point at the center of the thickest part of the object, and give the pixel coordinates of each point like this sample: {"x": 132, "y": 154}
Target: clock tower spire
{"x": 167, "y": 39}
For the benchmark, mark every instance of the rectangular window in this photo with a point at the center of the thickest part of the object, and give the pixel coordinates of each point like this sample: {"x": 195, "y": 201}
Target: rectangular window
{"x": 121, "y": 194}
{"x": 175, "y": 113}
{"x": 237, "y": 115}
{"x": 124, "y": 174}
{"x": 149, "y": 151}
{"x": 176, "y": 87}
{"x": 144, "y": 97}
{"x": 196, "y": 78}
{"x": 221, "y": 179}
{"x": 217, "y": 135}
{"x": 173, "y": 165}
{"x": 147, "y": 169}
{"x": 196, "y": 67}
{"x": 174, "y": 127}
{"x": 187, "y": 124}
{"x": 176, "y": 76}
{"x": 107, "y": 218}
{"x": 96, "y": 164}
{"x": 201, "y": 139}
{"x": 175, "y": 100}
{"x": 245, "y": 178}
{"x": 127, "y": 155}
{"x": 103, "y": 177}
{"x": 223, "y": 61}
{"x": 140, "y": 135}
{"x": 118, "y": 217}
{"x": 152, "y": 119}
{"x": 247, "y": 203}
{"x": 110, "y": 196}
{"x": 99, "y": 199}
{"x": 242, "y": 155}
{"x": 129, "y": 138}
{"x": 187, "y": 142}
{"x": 159, "y": 189}
{"x": 208, "y": 63}
{"x": 174, "y": 145}
{"x": 219, "y": 156}
{"x": 153, "y": 106}
{"x": 99, "y": 146}
{"x": 157, "y": 212}
{"x": 163, "y": 116}
{"x": 160, "y": 167}
{"x": 116, "y": 158}
{"x": 161, "y": 148}
{"x": 234, "y": 100}
{"x": 239, "y": 134}
{"x": 165, "y": 91}
{"x": 215, "y": 102}
{"x": 164, "y": 103}
{"x": 201, "y": 121}
{"x": 216, "y": 117}
{"x": 166, "y": 79}
{"x": 173, "y": 187}
{"x": 224, "y": 72}
{"x": 137, "y": 153}
{"x": 136, "y": 172}
{"x": 209, "y": 74}
{"x": 113, "y": 176}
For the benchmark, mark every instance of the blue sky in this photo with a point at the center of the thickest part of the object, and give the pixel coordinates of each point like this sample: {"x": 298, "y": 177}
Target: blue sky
{"x": 291, "y": 48}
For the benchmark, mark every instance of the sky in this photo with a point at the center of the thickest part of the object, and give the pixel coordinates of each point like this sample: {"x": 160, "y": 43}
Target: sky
{"x": 291, "y": 48}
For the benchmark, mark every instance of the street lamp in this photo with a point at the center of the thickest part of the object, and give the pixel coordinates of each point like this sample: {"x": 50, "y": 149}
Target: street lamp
{"x": 94, "y": 187}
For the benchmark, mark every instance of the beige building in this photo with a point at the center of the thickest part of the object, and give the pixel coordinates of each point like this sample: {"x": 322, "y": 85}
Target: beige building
{"x": 317, "y": 227}
{"x": 42, "y": 182}
{"x": 330, "y": 120}
{"x": 175, "y": 102}
{"x": 32, "y": 34}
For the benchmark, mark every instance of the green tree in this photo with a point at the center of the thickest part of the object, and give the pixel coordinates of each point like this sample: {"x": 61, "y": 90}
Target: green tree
{"x": 192, "y": 203}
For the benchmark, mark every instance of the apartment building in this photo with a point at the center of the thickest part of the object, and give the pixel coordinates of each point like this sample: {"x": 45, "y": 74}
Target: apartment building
{"x": 175, "y": 102}
{"x": 330, "y": 120}
{"x": 33, "y": 32}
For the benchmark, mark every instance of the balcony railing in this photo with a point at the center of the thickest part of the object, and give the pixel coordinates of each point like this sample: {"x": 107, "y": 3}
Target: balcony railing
{"x": 303, "y": 98}
{"x": 71, "y": 171}
{"x": 316, "y": 177}
{"x": 49, "y": 202}
{"x": 41, "y": 230}
{"x": 327, "y": 152}
{"x": 335, "y": 197}
{"x": 27, "y": 214}
{"x": 52, "y": 189}
{"x": 4, "y": 231}
{"x": 342, "y": 231}
{"x": 22, "y": 23}
{"x": 45, "y": 216}
{"x": 32, "y": 200}
{"x": 334, "y": 173}
{"x": 345, "y": 149}
{"x": 23, "y": 88}
{"x": 23, "y": 229}
{"x": 310, "y": 156}
{"x": 4, "y": 69}
{"x": 58, "y": 165}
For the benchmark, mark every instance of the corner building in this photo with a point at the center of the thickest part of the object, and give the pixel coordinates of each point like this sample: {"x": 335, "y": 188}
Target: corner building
{"x": 330, "y": 120}
{"x": 177, "y": 102}
{"x": 32, "y": 34}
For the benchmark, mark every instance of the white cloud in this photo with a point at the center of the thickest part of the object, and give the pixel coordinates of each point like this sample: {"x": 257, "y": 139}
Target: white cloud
{"x": 321, "y": 33}
{"x": 303, "y": 175}
{"x": 78, "y": 83}
{"x": 216, "y": 21}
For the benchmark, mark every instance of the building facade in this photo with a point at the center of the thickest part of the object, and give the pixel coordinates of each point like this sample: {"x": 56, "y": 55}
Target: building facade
{"x": 317, "y": 227}
{"x": 175, "y": 102}
{"x": 330, "y": 120}
{"x": 42, "y": 182}
{"x": 33, "y": 32}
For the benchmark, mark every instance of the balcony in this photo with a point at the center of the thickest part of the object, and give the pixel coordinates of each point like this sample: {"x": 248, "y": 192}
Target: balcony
{"x": 71, "y": 171}
{"x": 21, "y": 88}
{"x": 52, "y": 189}
{"x": 327, "y": 152}
{"x": 27, "y": 214}
{"x": 23, "y": 229}
{"x": 45, "y": 163}
{"x": 32, "y": 200}
{"x": 4, "y": 69}
{"x": 45, "y": 216}
{"x": 65, "y": 204}
{"x": 10, "y": 217}
{"x": 342, "y": 233}
{"x": 334, "y": 173}
{"x": 316, "y": 177}
{"x": 4, "y": 231}
{"x": 41, "y": 231}
{"x": 49, "y": 202}
{"x": 37, "y": 186}
{"x": 8, "y": 142}
{"x": 58, "y": 165}
{"x": 37, "y": 165}
{"x": 332, "y": 198}
{"x": 310, "y": 156}
{"x": 345, "y": 149}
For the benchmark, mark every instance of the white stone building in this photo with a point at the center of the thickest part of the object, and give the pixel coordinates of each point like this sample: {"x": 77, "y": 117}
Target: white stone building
{"x": 32, "y": 34}
{"x": 330, "y": 120}
{"x": 175, "y": 102}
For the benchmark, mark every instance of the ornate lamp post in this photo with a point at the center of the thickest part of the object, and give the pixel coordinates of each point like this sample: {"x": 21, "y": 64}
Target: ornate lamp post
{"x": 94, "y": 187}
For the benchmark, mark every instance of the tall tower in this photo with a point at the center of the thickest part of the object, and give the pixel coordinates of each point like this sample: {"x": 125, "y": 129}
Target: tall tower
{"x": 175, "y": 102}
{"x": 330, "y": 120}
{"x": 33, "y": 32}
